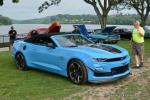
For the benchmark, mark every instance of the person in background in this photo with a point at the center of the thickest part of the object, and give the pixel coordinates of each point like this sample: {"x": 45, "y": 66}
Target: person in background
{"x": 137, "y": 43}
{"x": 76, "y": 30}
{"x": 12, "y": 36}
{"x": 34, "y": 33}
{"x": 31, "y": 34}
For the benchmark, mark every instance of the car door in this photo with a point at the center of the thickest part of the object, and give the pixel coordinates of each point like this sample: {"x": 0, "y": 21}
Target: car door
{"x": 44, "y": 57}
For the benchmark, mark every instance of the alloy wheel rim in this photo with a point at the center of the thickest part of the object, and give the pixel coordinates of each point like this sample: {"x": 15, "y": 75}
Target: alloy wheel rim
{"x": 20, "y": 61}
{"x": 76, "y": 73}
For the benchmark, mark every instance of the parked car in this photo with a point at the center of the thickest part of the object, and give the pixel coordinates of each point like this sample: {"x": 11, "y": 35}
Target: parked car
{"x": 98, "y": 37}
{"x": 73, "y": 56}
{"x": 147, "y": 32}
{"x": 53, "y": 28}
{"x": 124, "y": 33}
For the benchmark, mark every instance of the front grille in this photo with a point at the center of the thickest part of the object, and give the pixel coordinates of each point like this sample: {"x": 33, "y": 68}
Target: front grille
{"x": 114, "y": 71}
{"x": 116, "y": 59}
{"x": 119, "y": 70}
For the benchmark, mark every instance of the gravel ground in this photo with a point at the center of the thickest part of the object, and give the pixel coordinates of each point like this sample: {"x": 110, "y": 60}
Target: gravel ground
{"x": 105, "y": 91}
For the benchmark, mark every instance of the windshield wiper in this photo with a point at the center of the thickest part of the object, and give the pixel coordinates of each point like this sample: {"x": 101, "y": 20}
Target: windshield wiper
{"x": 72, "y": 46}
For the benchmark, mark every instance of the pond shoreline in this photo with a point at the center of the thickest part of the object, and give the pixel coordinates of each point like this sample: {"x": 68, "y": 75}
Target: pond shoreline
{"x": 4, "y": 49}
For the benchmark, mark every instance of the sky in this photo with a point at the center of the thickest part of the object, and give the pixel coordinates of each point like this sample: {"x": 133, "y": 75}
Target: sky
{"x": 28, "y": 9}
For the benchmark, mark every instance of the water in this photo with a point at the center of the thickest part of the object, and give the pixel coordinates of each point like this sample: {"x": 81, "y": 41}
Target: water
{"x": 25, "y": 28}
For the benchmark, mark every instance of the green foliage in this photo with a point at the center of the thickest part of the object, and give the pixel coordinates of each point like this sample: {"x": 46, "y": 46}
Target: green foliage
{"x": 39, "y": 85}
{"x": 74, "y": 19}
{"x": 5, "y": 20}
{"x": 137, "y": 88}
{"x": 123, "y": 19}
{"x": 15, "y": 1}
{"x": 142, "y": 7}
{"x": 32, "y": 84}
{"x": 2, "y": 2}
{"x": 84, "y": 19}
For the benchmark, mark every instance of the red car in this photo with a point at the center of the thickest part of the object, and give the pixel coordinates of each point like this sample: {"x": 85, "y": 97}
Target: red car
{"x": 55, "y": 27}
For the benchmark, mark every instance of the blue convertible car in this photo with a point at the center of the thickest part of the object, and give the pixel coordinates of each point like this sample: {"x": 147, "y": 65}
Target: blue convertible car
{"x": 73, "y": 56}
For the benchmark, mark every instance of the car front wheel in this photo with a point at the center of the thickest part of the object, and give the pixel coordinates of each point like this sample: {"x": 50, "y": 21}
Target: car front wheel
{"x": 20, "y": 62}
{"x": 77, "y": 72}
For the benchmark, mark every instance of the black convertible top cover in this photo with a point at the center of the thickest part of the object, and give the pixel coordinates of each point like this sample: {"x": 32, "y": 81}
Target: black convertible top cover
{"x": 47, "y": 35}
{"x": 51, "y": 34}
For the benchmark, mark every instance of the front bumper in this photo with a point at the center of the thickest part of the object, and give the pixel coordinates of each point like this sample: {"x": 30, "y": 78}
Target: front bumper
{"x": 109, "y": 71}
{"x": 102, "y": 79}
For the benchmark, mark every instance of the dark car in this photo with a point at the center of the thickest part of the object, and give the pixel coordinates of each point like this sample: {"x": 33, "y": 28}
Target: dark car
{"x": 124, "y": 33}
{"x": 147, "y": 32}
{"x": 106, "y": 35}
{"x": 98, "y": 35}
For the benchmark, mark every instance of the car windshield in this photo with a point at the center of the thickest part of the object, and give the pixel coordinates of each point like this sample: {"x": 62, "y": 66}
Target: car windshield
{"x": 72, "y": 40}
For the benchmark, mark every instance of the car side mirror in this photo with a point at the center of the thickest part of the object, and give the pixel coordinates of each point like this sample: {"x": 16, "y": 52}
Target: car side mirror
{"x": 51, "y": 45}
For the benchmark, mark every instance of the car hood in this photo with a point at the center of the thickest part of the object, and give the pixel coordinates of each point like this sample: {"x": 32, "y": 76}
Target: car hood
{"x": 99, "y": 36}
{"x": 103, "y": 36}
{"x": 101, "y": 51}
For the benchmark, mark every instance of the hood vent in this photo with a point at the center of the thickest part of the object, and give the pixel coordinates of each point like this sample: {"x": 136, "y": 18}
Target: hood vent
{"x": 107, "y": 48}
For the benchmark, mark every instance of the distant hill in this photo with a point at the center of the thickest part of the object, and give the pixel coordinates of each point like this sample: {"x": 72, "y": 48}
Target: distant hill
{"x": 64, "y": 19}
{"x": 5, "y": 20}
{"x": 83, "y": 19}
{"x": 31, "y": 21}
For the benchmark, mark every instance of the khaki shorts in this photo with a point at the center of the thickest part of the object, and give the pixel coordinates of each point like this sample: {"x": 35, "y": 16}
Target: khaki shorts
{"x": 138, "y": 48}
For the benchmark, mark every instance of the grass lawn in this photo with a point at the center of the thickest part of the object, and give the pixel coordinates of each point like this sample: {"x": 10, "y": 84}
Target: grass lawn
{"x": 139, "y": 87}
{"x": 125, "y": 44}
{"x": 33, "y": 84}
{"x": 37, "y": 85}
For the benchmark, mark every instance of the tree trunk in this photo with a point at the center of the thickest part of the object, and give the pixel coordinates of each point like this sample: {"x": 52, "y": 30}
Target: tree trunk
{"x": 143, "y": 21}
{"x": 103, "y": 21}
{"x": 102, "y": 17}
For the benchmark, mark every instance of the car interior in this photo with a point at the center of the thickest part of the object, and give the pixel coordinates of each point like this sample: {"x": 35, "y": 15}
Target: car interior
{"x": 43, "y": 41}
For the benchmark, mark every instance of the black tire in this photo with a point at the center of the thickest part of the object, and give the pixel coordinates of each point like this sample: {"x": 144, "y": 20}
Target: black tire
{"x": 77, "y": 72}
{"x": 21, "y": 62}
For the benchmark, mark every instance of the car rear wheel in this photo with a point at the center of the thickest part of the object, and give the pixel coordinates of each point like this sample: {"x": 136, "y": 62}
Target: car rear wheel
{"x": 20, "y": 62}
{"x": 77, "y": 72}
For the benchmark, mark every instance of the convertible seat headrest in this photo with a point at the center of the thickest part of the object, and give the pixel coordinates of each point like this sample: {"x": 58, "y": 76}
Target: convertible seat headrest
{"x": 54, "y": 28}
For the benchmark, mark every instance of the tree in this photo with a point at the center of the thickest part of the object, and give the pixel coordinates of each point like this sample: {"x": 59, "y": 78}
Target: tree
{"x": 5, "y": 20}
{"x": 2, "y": 2}
{"x": 102, "y": 8}
{"x": 142, "y": 7}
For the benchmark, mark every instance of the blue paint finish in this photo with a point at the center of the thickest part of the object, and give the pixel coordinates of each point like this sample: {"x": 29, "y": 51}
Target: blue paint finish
{"x": 56, "y": 60}
{"x": 104, "y": 35}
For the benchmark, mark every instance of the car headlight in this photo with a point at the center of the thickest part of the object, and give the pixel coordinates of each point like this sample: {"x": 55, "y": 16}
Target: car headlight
{"x": 100, "y": 59}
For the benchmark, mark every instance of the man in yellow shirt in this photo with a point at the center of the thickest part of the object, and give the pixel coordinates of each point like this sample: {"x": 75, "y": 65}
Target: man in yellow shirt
{"x": 138, "y": 44}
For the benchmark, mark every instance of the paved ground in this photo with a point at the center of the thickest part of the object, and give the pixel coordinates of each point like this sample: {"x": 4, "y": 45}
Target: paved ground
{"x": 4, "y": 49}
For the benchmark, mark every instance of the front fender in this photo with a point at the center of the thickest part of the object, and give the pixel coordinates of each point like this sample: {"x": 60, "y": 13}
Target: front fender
{"x": 86, "y": 59}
